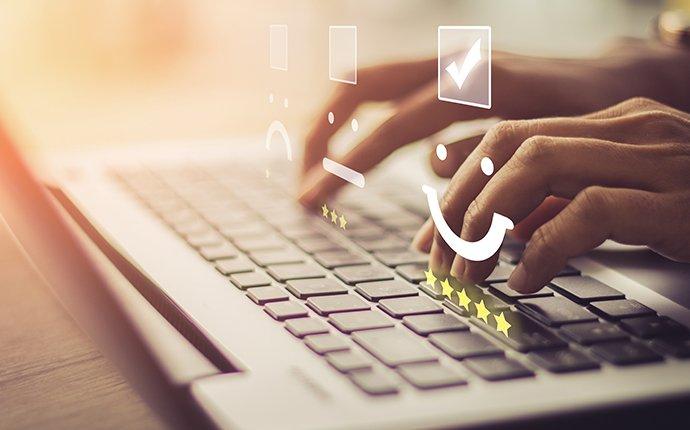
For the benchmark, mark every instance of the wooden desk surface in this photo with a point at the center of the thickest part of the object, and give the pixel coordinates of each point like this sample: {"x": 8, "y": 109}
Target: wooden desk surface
{"x": 51, "y": 374}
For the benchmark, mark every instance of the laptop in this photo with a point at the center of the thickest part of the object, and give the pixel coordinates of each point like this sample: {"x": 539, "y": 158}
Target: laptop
{"x": 270, "y": 316}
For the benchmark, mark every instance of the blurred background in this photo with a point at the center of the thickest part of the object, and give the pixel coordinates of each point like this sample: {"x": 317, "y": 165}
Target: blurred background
{"x": 93, "y": 72}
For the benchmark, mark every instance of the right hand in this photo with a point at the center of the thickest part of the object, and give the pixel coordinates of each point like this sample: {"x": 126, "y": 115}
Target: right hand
{"x": 523, "y": 87}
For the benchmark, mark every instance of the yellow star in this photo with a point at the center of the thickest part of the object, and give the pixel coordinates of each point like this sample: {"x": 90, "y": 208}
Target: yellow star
{"x": 430, "y": 278}
{"x": 334, "y": 216}
{"x": 343, "y": 222}
{"x": 324, "y": 210}
{"x": 447, "y": 290}
{"x": 482, "y": 311}
{"x": 501, "y": 324}
{"x": 464, "y": 300}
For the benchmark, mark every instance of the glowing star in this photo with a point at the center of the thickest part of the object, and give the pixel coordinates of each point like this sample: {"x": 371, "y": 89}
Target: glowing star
{"x": 430, "y": 278}
{"x": 324, "y": 210}
{"x": 343, "y": 222}
{"x": 501, "y": 324}
{"x": 464, "y": 299}
{"x": 447, "y": 290}
{"x": 334, "y": 216}
{"x": 482, "y": 311}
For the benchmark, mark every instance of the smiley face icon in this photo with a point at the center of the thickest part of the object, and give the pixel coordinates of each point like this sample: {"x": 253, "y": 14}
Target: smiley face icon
{"x": 474, "y": 251}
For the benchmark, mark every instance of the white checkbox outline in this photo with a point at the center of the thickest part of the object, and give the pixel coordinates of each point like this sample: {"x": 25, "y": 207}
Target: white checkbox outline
{"x": 271, "y": 47}
{"x": 438, "y": 66}
{"x": 330, "y": 45}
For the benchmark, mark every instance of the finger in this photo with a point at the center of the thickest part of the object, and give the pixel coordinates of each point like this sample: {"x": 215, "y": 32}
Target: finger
{"x": 551, "y": 207}
{"x": 627, "y": 216}
{"x": 561, "y": 167}
{"x": 456, "y": 154}
{"x": 419, "y": 116}
{"x": 422, "y": 239}
{"x": 378, "y": 83}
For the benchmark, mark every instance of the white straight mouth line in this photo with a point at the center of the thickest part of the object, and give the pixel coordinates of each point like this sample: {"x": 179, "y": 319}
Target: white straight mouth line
{"x": 343, "y": 172}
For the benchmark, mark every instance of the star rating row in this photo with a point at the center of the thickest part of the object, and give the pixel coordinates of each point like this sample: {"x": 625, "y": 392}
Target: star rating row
{"x": 335, "y": 218}
{"x": 464, "y": 300}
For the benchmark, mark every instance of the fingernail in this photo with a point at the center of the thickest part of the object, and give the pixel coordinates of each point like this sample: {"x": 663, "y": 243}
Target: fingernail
{"x": 458, "y": 268}
{"x": 439, "y": 260}
{"x": 518, "y": 279}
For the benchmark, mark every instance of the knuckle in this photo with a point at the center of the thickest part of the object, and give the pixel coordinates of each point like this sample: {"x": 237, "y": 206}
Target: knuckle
{"x": 591, "y": 203}
{"x": 505, "y": 130}
{"x": 542, "y": 242}
{"x": 639, "y": 103}
{"x": 535, "y": 150}
{"x": 471, "y": 215}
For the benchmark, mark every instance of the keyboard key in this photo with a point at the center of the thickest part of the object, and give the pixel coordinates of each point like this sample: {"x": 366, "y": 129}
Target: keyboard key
{"x": 583, "y": 289}
{"x": 375, "y": 291}
{"x": 285, "y": 310}
{"x": 217, "y": 252}
{"x": 387, "y": 243}
{"x": 271, "y": 257}
{"x": 365, "y": 231}
{"x": 431, "y": 375}
{"x": 300, "y": 231}
{"x": 625, "y": 353}
{"x": 326, "y": 305}
{"x": 500, "y": 274}
{"x": 678, "y": 347}
{"x": 245, "y": 230}
{"x": 594, "y": 332}
{"x": 301, "y": 327}
{"x": 356, "y": 274}
{"x": 568, "y": 270}
{"x": 435, "y": 291}
{"x": 260, "y": 243}
{"x": 618, "y": 309}
{"x": 405, "y": 306}
{"x": 563, "y": 360}
{"x": 501, "y": 289}
{"x": 204, "y": 239}
{"x": 325, "y": 343}
{"x": 555, "y": 311}
{"x": 249, "y": 280}
{"x": 348, "y": 361}
{"x": 524, "y": 334}
{"x": 348, "y": 322}
{"x": 312, "y": 245}
{"x": 263, "y": 295}
{"x": 288, "y": 272}
{"x": 650, "y": 327}
{"x": 497, "y": 368}
{"x": 393, "y": 346}
{"x": 433, "y": 323}
{"x": 463, "y": 344}
{"x": 305, "y": 288}
{"x": 374, "y": 382}
{"x": 412, "y": 272}
{"x": 511, "y": 251}
{"x": 331, "y": 260}
{"x": 396, "y": 258}
{"x": 234, "y": 265}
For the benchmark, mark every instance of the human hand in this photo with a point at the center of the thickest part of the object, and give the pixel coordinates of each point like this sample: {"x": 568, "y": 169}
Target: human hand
{"x": 626, "y": 169}
{"x": 523, "y": 87}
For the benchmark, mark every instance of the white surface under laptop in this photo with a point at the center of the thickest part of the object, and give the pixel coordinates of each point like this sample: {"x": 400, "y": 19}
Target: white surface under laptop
{"x": 281, "y": 383}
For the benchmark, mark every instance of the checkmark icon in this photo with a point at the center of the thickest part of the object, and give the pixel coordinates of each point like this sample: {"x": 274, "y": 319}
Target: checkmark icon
{"x": 459, "y": 74}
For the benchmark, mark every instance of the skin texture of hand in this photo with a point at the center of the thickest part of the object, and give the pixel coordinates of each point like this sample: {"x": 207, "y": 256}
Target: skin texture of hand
{"x": 523, "y": 87}
{"x": 622, "y": 173}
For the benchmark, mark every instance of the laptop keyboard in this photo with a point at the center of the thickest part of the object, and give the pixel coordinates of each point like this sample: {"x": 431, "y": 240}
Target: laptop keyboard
{"x": 358, "y": 297}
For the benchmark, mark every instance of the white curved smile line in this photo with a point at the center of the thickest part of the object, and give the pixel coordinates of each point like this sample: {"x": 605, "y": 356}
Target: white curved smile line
{"x": 474, "y": 251}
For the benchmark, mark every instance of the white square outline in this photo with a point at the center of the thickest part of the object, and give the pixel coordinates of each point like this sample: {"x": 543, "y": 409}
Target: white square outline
{"x": 438, "y": 66}
{"x": 330, "y": 72}
{"x": 270, "y": 46}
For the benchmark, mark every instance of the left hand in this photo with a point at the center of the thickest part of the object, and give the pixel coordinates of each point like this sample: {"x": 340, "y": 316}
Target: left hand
{"x": 625, "y": 172}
